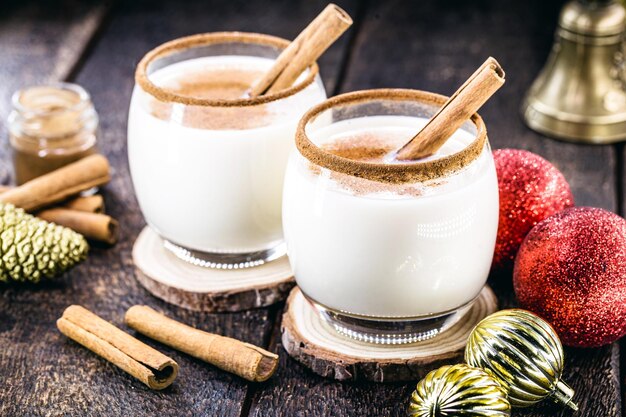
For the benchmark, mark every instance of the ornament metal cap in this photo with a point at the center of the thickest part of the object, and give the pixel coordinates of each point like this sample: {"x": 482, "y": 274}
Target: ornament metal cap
{"x": 524, "y": 353}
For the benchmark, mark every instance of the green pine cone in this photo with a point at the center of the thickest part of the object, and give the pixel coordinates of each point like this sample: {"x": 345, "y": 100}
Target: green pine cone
{"x": 32, "y": 249}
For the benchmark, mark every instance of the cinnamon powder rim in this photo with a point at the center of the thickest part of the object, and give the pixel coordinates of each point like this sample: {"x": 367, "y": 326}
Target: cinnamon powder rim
{"x": 397, "y": 173}
{"x": 204, "y": 39}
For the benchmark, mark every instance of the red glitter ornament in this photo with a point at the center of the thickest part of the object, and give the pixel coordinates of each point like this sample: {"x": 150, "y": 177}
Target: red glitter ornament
{"x": 531, "y": 189}
{"x": 571, "y": 270}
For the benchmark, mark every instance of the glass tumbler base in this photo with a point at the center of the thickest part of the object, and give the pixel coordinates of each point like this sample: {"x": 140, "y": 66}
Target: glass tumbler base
{"x": 390, "y": 331}
{"x": 226, "y": 260}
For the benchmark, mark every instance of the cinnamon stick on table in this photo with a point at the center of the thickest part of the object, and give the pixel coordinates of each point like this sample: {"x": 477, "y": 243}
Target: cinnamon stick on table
{"x": 94, "y": 226}
{"x": 243, "y": 359}
{"x": 304, "y": 50}
{"x": 91, "y": 203}
{"x": 129, "y": 354}
{"x": 460, "y": 107}
{"x": 83, "y": 215}
{"x": 60, "y": 184}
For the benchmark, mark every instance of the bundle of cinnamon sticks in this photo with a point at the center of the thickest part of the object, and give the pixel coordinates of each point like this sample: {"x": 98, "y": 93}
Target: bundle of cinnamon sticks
{"x": 150, "y": 366}
{"x": 55, "y": 197}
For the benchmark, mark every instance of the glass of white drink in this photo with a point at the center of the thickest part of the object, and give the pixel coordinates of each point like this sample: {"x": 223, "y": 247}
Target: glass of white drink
{"x": 207, "y": 163}
{"x": 388, "y": 252}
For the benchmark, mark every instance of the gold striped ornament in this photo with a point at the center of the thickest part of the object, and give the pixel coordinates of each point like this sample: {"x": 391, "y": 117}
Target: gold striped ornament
{"x": 524, "y": 353}
{"x": 459, "y": 390}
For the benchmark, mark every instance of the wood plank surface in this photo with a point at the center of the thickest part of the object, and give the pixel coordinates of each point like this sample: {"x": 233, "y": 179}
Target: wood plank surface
{"x": 431, "y": 45}
{"x": 435, "y": 46}
{"x": 44, "y": 373}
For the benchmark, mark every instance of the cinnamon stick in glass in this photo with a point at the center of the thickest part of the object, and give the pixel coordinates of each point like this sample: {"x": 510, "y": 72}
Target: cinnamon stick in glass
{"x": 94, "y": 226}
{"x": 302, "y": 52}
{"x": 460, "y": 107}
{"x": 129, "y": 354}
{"x": 60, "y": 184}
{"x": 248, "y": 361}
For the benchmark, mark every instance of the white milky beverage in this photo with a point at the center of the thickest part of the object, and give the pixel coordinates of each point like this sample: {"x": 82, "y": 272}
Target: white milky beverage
{"x": 383, "y": 250}
{"x": 210, "y": 179}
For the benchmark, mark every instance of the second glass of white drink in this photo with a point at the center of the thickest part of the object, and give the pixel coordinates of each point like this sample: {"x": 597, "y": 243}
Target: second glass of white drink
{"x": 388, "y": 252}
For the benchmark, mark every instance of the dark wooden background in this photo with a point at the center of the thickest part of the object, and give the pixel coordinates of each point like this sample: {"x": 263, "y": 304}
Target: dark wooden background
{"x": 432, "y": 45}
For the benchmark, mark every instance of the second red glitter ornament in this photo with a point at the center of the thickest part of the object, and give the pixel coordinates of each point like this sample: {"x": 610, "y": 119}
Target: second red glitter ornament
{"x": 571, "y": 270}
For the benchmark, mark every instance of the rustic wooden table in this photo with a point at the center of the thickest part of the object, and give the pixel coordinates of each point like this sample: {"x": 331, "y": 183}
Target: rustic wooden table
{"x": 431, "y": 45}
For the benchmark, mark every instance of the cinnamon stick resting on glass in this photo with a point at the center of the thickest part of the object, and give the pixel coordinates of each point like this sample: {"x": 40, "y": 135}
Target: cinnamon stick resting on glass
{"x": 302, "y": 52}
{"x": 466, "y": 101}
{"x": 248, "y": 361}
{"x": 146, "y": 364}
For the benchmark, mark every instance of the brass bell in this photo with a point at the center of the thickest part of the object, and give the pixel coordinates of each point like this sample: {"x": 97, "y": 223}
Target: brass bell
{"x": 580, "y": 93}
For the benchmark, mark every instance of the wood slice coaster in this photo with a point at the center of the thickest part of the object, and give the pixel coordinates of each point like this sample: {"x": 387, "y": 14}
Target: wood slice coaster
{"x": 311, "y": 341}
{"x": 204, "y": 289}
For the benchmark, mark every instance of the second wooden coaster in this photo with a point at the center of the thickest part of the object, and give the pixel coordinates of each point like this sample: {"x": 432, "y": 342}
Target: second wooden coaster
{"x": 204, "y": 289}
{"x": 311, "y": 341}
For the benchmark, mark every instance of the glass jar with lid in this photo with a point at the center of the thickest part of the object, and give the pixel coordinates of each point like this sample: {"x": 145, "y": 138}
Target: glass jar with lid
{"x": 50, "y": 126}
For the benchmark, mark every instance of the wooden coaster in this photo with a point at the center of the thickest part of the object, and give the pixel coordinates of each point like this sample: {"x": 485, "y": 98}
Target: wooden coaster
{"x": 311, "y": 341}
{"x": 204, "y": 289}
